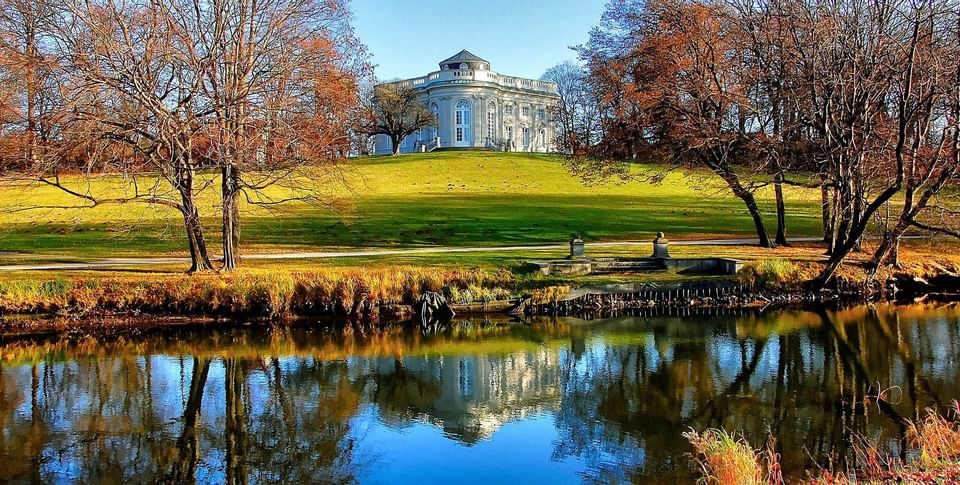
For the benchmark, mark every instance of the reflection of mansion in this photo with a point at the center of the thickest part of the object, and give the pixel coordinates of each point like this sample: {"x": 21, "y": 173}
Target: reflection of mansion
{"x": 479, "y": 108}
{"x": 478, "y": 394}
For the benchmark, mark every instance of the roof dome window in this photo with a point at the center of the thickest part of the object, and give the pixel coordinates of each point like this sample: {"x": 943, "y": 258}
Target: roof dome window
{"x": 464, "y": 60}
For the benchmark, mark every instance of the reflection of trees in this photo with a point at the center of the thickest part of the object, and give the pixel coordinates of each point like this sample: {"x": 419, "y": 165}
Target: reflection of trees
{"x": 126, "y": 419}
{"x": 188, "y": 445}
{"x": 620, "y": 390}
{"x": 624, "y": 406}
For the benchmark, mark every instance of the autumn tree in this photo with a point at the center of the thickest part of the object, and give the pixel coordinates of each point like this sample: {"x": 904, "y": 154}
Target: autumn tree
{"x": 264, "y": 92}
{"x": 672, "y": 76}
{"x": 395, "y": 110}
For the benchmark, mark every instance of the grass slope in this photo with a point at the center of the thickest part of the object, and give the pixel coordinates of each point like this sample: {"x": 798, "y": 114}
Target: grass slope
{"x": 450, "y": 198}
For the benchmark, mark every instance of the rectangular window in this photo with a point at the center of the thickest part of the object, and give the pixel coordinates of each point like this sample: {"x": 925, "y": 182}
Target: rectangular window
{"x": 491, "y": 126}
{"x": 508, "y": 109}
{"x": 459, "y": 117}
{"x": 526, "y": 137}
{"x": 542, "y": 114}
{"x": 459, "y": 134}
{"x": 526, "y": 111}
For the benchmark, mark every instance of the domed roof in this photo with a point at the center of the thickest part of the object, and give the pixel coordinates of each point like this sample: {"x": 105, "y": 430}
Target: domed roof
{"x": 464, "y": 57}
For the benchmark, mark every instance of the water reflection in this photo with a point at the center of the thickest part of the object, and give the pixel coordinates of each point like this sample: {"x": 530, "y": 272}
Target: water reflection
{"x": 559, "y": 400}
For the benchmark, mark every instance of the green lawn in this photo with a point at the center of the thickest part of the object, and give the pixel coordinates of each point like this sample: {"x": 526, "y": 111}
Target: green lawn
{"x": 449, "y": 199}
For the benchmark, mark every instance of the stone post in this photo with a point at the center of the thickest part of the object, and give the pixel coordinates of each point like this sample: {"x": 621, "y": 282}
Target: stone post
{"x": 661, "y": 247}
{"x": 576, "y": 247}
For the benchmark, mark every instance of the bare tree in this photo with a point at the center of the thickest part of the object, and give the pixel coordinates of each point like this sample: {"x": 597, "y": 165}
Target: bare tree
{"x": 576, "y": 113}
{"x": 280, "y": 77}
{"x": 395, "y": 110}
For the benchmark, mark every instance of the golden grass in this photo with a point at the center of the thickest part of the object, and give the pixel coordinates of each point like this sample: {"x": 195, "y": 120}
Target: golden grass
{"x": 272, "y": 294}
{"x": 727, "y": 460}
{"x": 937, "y": 438}
{"x": 934, "y": 441}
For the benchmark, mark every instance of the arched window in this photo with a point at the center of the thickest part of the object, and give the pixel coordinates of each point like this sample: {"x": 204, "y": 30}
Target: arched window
{"x": 491, "y": 122}
{"x": 464, "y": 65}
{"x": 432, "y": 130}
{"x": 462, "y": 123}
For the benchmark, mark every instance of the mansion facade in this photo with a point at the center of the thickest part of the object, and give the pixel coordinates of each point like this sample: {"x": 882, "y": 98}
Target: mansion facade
{"x": 479, "y": 108}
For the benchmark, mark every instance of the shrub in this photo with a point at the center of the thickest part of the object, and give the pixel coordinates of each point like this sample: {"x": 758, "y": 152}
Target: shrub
{"x": 771, "y": 273}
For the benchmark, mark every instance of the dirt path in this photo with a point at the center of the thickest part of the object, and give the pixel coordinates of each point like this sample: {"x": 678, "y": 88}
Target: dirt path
{"x": 366, "y": 252}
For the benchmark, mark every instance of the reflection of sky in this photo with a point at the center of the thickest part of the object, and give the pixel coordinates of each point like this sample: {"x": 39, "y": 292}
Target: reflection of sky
{"x": 420, "y": 453}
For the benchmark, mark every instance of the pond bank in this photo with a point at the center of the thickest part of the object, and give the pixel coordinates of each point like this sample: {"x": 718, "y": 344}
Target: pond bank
{"x": 391, "y": 294}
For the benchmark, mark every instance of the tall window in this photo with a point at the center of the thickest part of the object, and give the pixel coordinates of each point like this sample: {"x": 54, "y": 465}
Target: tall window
{"x": 508, "y": 109}
{"x": 509, "y": 137}
{"x": 542, "y": 114}
{"x": 432, "y": 130}
{"x": 462, "y": 124}
{"x": 526, "y": 138}
{"x": 526, "y": 111}
{"x": 491, "y": 122}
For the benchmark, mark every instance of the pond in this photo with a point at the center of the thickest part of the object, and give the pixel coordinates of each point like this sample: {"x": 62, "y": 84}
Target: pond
{"x": 558, "y": 400}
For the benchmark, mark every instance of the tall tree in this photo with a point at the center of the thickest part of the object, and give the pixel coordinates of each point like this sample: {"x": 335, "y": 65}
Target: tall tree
{"x": 273, "y": 68}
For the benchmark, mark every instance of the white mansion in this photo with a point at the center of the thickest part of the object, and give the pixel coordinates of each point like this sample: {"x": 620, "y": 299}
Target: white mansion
{"x": 479, "y": 108}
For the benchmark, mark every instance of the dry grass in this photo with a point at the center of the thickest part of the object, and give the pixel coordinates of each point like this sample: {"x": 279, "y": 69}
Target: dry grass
{"x": 550, "y": 294}
{"x": 727, "y": 460}
{"x": 934, "y": 443}
{"x": 937, "y": 438}
{"x": 273, "y": 294}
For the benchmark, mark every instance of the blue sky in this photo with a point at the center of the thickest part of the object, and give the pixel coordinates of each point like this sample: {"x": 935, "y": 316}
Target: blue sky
{"x": 519, "y": 37}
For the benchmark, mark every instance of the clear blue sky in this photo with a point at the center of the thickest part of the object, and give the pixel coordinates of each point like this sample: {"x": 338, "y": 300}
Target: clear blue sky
{"x": 519, "y": 37}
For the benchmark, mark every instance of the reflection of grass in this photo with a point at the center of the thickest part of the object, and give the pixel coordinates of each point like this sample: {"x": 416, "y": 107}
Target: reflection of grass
{"x": 453, "y": 199}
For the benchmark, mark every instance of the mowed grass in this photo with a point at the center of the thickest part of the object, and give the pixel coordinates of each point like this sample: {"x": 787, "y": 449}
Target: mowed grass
{"x": 436, "y": 199}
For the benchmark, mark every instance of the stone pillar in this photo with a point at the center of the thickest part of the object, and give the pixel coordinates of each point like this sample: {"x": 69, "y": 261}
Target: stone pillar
{"x": 661, "y": 247}
{"x": 576, "y": 247}
{"x": 477, "y": 112}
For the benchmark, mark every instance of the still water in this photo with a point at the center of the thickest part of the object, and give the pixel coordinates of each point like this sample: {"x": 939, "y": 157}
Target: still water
{"x": 555, "y": 401}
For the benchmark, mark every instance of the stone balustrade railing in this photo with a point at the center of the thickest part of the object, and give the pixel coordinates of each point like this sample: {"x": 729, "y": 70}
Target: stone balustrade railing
{"x": 469, "y": 75}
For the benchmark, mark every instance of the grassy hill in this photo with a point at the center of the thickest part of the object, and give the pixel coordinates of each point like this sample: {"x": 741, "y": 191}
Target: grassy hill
{"x": 450, "y": 199}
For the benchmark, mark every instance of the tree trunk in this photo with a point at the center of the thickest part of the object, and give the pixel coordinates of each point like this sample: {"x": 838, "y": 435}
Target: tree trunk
{"x": 781, "y": 238}
{"x": 825, "y": 213}
{"x": 748, "y": 199}
{"x": 396, "y": 145}
{"x": 888, "y": 250}
{"x": 230, "y": 217}
{"x": 199, "y": 258}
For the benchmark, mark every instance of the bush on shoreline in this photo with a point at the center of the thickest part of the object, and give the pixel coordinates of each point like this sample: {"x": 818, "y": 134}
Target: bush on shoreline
{"x": 274, "y": 294}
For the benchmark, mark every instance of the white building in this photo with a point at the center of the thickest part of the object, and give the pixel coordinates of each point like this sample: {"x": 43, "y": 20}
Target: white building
{"x": 479, "y": 108}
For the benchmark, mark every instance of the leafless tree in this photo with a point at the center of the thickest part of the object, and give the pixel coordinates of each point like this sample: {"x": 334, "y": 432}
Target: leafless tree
{"x": 395, "y": 110}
